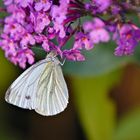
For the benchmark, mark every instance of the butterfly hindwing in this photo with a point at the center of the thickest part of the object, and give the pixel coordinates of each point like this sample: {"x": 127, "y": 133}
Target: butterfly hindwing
{"x": 52, "y": 95}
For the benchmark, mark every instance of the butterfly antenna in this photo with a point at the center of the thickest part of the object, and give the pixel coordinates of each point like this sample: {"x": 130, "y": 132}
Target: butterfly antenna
{"x": 62, "y": 63}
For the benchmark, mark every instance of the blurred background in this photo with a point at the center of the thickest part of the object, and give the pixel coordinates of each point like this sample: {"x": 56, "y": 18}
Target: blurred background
{"x": 104, "y": 101}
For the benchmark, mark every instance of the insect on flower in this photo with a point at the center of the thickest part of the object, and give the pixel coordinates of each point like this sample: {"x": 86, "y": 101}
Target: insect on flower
{"x": 41, "y": 87}
{"x": 50, "y": 24}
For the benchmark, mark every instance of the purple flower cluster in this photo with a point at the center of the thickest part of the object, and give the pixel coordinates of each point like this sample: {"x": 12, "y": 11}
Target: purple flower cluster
{"x": 50, "y": 24}
{"x": 127, "y": 38}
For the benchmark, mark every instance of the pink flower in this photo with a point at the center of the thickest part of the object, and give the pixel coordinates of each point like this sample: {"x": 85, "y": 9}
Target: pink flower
{"x": 82, "y": 41}
{"x": 127, "y": 39}
{"x": 24, "y": 3}
{"x": 43, "y": 5}
{"x": 102, "y": 5}
{"x": 52, "y": 23}
{"x": 58, "y": 14}
{"x": 74, "y": 55}
{"x": 27, "y": 39}
{"x": 24, "y": 56}
{"x": 42, "y": 39}
{"x": 96, "y": 31}
{"x": 8, "y": 2}
{"x": 40, "y": 21}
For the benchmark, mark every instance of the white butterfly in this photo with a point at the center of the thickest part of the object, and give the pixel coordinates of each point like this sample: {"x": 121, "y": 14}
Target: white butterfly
{"x": 41, "y": 87}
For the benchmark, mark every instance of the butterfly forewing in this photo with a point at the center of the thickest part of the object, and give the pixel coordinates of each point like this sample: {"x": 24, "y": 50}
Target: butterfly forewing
{"x": 22, "y": 92}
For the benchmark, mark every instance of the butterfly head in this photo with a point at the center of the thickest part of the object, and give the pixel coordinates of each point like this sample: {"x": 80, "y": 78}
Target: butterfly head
{"x": 52, "y": 57}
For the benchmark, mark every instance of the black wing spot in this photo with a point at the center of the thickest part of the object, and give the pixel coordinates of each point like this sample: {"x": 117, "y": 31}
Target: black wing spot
{"x": 28, "y": 97}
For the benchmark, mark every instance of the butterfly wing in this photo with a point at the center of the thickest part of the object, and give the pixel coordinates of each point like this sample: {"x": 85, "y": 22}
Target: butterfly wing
{"x": 22, "y": 92}
{"x": 52, "y": 94}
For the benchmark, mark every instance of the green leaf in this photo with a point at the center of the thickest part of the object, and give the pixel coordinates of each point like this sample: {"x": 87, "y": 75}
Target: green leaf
{"x": 136, "y": 56}
{"x": 39, "y": 52}
{"x": 129, "y": 126}
{"x": 8, "y": 72}
{"x": 2, "y": 14}
{"x": 96, "y": 110}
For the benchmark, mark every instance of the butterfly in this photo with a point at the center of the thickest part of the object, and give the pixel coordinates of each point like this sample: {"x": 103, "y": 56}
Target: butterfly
{"x": 41, "y": 87}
